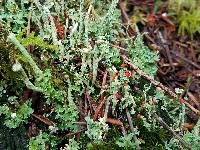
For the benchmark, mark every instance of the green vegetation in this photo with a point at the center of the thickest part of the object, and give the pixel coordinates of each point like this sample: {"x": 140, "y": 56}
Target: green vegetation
{"x": 187, "y": 14}
{"x": 75, "y": 65}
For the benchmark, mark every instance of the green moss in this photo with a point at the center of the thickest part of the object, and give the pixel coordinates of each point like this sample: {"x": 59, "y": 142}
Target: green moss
{"x": 189, "y": 22}
{"x": 187, "y": 15}
{"x": 154, "y": 138}
{"x": 7, "y": 54}
{"x": 36, "y": 41}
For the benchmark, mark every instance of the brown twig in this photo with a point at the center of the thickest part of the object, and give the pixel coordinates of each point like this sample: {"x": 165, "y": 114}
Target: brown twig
{"x": 118, "y": 47}
{"x": 123, "y": 130}
{"x": 154, "y": 82}
{"x": 43, "y": 120}
{"x": 193, "y": 53}
{"x": 102, "y": 99}
{"x": 132, "y": 129}
{"x": 98, "y": 110}
{"x": 164, "y": 124}
{"x": 167, "y": 65}
{"x": 113, "y": 121}
{"x": 107, "y": 104}
{"x": 193, "y": 99}
{"x": 104, "y": 78}
{"x": 166, "y": 47}
{"x": 81, "y": 123}
{"x": 158, "y": 84}
{"x": 126, "y": 19}
{"x": 29, "y": 24}
{"x": 185, "y": 59}
{"x": 74, "y": 133}
{"x": 85, "y": 105}
{"x": 189, "y": 82}
{"x": 192, "y": 108}
{"x": 180, "y": 44}
{"x": 92, "y": 103}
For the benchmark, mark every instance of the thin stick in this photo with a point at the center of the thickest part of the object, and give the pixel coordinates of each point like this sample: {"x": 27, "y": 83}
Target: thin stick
{"x": 107, "y": 104}
{"x": 113, "y": 121}
{"x": 98, "y": 109}
{"x": 185, "y": 59}
{"x": 74, "y": 133}
{"x": 29, "y": 24}
{"x": 29, "y": 19}
{"x": 46, "y": 121}
{"x": 123, "y": 130}
{"x": 158, "y": 84}
{"x": 154, "y": 82}
{"x": 191, "y": 96}
{"x": 164, "y": 124}
{"x": 132, "y": 129}
{"x": 102, "y": 98}
{"x": 166, "y": 47}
